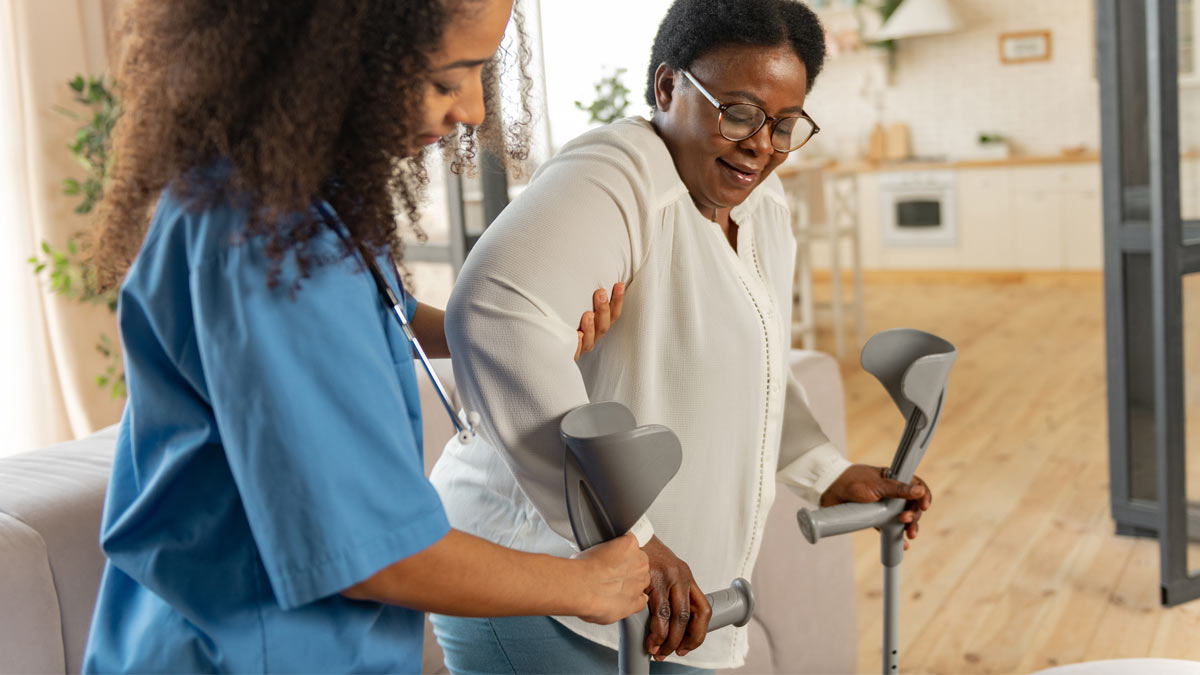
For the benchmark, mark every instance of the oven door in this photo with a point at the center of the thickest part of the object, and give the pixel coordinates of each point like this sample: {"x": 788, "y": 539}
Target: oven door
{"x": 918, "y": 215}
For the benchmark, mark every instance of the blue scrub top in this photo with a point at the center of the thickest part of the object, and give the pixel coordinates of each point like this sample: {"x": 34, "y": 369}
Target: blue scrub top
{"x": 269, "y": 457}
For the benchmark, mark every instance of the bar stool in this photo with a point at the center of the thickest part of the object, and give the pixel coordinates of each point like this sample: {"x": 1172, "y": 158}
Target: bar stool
{"x": 824, "y": 206}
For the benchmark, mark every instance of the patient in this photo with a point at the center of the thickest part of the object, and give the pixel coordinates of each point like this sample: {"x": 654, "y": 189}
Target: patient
{"x": 684, "y": 209}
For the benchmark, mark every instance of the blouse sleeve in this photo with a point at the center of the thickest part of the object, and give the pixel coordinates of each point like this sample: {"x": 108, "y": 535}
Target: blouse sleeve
{"x": 316, "y": 421}
{"x": 511, "y": 321}
{"x": 808, "y": 461}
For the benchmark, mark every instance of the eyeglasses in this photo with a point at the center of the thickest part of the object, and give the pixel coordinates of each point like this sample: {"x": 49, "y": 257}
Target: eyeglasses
{"x": 740, "y": 121}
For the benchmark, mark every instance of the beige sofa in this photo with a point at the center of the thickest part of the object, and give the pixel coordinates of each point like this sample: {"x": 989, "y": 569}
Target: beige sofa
{"x": 50, "y": 503}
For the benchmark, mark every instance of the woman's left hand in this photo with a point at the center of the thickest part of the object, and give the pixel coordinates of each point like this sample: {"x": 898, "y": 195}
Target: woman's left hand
{"x": 865, "y": 484}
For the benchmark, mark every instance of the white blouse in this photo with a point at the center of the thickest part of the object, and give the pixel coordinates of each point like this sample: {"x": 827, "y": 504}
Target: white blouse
{"x": 701, "y": 347}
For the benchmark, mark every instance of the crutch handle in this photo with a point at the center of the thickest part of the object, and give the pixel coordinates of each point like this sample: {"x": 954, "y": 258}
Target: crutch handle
{"x": 731, "y": 606}
{"x": 842, "y": 518}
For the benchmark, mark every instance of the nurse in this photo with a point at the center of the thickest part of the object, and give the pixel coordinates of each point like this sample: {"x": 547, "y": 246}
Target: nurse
{"x": 267, "y": 509}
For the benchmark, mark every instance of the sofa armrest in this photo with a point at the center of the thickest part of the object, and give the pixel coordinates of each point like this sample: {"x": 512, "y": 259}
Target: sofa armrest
{"x": 31, "y": 639}
{"x": 50, "y": 501}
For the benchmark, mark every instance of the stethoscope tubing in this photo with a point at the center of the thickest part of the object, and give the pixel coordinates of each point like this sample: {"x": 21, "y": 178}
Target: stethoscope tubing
{"x": 396, "y": 304}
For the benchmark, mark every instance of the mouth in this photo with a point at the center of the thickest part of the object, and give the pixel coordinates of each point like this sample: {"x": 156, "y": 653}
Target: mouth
{"x": 739, "y": 175}
{"x": 428, "y": 139}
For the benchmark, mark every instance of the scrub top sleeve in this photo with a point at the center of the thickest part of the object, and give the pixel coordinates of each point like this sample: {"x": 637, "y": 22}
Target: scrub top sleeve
{"x": 313, "y": 410}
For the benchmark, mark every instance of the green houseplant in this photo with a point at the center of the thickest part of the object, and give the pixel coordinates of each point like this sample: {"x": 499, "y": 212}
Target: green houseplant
{"x": 68, "y": 271}
{"x": 611, "y": 102}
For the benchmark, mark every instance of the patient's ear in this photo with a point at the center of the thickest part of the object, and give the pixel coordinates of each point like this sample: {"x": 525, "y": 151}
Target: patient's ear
{"x": 665, "y": 80}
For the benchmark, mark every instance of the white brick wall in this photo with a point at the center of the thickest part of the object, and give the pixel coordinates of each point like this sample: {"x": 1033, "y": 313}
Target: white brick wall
{"x": 949, "y": 88}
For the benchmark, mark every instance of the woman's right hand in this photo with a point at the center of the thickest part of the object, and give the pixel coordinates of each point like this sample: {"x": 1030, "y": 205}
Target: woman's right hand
{"x": 616, "y": 578}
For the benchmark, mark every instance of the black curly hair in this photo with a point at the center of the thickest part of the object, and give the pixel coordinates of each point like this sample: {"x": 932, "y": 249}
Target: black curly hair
{"x": 300, "y": 99}
{"x": 695, "y": 27}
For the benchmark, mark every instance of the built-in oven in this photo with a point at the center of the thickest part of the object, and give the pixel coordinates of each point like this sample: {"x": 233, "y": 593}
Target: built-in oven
{"x": 917, "y": 208}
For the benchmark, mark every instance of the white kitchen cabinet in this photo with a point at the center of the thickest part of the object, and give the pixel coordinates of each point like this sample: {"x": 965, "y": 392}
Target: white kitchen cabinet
{"x": 1057, "y": 216}
{"x": 1082, "y": 220}
{"x": 1189, "y": 187}
{"x": 1036, "y": 203}
{"x": 986, "y": 234}
{"x": 1010, "y": 217}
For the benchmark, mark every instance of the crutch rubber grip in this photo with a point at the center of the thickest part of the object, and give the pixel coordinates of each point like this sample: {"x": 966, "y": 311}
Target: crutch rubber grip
{"x": 842, "y": 518}
{"x": 731, "y": 606}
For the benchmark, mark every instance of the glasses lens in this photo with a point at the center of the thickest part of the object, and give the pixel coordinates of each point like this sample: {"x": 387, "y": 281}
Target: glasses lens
{"x": 741, "y": 121}
{"x": 791, "y": 133}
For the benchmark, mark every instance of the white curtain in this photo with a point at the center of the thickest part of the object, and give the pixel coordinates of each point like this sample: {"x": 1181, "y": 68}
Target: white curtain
{"x": 47, "y": 344}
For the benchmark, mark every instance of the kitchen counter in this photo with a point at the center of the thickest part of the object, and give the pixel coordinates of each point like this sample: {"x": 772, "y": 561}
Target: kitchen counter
{"x": 864, "y": 166}
{"x": 1020, "y": 212}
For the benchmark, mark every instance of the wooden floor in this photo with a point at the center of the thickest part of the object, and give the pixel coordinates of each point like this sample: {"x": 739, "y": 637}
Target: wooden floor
{"x": 1017, "y": 567}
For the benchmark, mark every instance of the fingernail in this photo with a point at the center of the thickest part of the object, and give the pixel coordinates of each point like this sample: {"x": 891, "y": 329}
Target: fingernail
{"x": 654, "y": 650}
{"x": 603, "y": 297}
{"x": 682, "y": 652}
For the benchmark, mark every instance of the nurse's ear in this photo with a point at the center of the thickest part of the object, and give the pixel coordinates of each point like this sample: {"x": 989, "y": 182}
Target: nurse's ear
{"x": 666, "y": 80}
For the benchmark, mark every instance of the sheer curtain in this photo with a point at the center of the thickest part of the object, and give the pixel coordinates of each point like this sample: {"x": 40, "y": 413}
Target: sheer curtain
{"x": 47, "y": 351}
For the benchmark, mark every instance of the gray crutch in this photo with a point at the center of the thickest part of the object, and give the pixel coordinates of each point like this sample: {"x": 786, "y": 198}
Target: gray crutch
{"x": 914, "y": 367}
{"x": 614, "y": 470}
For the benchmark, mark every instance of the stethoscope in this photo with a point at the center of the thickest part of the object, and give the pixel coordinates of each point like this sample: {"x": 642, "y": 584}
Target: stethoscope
{"x": 465, "y": 432}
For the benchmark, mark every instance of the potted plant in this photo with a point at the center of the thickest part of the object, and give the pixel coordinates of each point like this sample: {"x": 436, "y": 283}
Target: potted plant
{"x": 70, "y": 274}
{"x": 611, "y": 102}
{"x": 993, "y": 146}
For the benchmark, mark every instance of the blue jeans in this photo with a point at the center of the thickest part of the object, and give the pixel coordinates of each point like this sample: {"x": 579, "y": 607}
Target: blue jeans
{"x": 528, "y": 644}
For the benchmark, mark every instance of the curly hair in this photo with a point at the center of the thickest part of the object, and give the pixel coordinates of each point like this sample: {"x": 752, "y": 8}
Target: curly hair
{"x": 300, "y": 99}
{"x": 692, "y": 28}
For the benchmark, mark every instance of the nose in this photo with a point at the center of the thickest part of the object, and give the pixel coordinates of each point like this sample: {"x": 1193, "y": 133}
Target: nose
{"x": 759, "y": 143}
{"x": 469, "y": 108}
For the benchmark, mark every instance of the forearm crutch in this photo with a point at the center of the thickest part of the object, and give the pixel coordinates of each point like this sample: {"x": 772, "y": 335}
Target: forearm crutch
{"x": 613, "y": 471}
{"x": 914, "y": 367}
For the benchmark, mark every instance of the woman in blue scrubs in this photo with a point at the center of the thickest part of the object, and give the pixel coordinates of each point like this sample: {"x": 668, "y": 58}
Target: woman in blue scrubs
{"x": 268, "y": 509}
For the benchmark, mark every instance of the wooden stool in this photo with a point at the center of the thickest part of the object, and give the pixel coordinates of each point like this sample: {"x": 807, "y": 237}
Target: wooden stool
{"x": 809, "y": 190}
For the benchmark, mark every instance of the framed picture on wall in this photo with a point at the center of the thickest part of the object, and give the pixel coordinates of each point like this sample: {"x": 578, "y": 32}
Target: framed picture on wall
{"x": 1025, "y": 46}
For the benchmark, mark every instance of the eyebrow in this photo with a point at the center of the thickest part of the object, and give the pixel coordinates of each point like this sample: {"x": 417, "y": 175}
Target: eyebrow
{"x": 463, "y": 63}
{"x": 747, "y": 96}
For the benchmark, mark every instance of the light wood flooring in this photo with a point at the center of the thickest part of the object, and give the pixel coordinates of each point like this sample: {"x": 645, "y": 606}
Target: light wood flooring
{"x": 1017, "y": 567}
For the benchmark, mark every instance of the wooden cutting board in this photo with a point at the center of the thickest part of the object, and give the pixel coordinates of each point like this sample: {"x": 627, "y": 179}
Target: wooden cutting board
{"x": 877, "y": 145}
{"x": 896, "y": 145}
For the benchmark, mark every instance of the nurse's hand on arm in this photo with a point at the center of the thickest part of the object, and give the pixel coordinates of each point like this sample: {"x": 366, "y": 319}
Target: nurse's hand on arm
{"x": 865, "y": 484}
{"x": 463, "y": 575}
{"x": 679, "y": 612}
{"x": 594, "y": 324}
{"x": 429, "y": 323}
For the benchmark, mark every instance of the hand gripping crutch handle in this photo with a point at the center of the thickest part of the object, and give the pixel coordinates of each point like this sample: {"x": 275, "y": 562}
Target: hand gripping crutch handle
{"x": 730, "y": 606}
